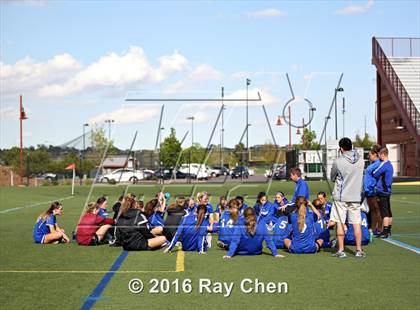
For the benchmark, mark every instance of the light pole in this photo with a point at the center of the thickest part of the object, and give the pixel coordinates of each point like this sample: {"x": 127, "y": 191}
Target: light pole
{"x": 335, "y": 110}
{"x": 344, "y": 111}
{"x": 84, "y": 151}
{"x": 248, "y": 82}
{"x": 109, "y": 121}
{"x": 160, "y": 153}
{"x": 191, "y": 118}
{"x": 311, "y": 113}
{"x": 222, "y": 133}
{"x": 22, "y": 117}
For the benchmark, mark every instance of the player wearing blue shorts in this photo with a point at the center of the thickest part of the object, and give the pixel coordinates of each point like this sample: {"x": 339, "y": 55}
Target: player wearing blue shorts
{"x": 349, "y": 235}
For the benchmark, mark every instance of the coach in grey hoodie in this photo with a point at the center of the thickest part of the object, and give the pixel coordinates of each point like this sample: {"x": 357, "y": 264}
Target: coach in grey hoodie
{"x": 347, "y": 173}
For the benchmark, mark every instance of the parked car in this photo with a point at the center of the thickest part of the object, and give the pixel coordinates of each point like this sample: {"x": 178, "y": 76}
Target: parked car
{"x": 277, "y": 172}
{"x": 240, "y": 172}
{"x": 217, "y": 171}
{"x": 167, "y": 173}
{"x": 147, "y": 174}
{"x": 47, "y": 176}
{"x": 197, "y": 171}
{"x": 123, "y": 175}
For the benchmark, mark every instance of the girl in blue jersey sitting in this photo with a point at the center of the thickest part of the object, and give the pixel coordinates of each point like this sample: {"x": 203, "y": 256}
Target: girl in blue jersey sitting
{"x": 46, "y": 229}
{"x": 221, "y": 206}
{"x": 229, "y": 219}
{"x": 193, "y": 230}
{"x": 282, "y": 229}
{"x": 156, "y": 220}
{"x": 264, "y": 210}
{"x": 248, "y": 238}
{"x": 303, "y": 240}
{"x": 321, "y": 225}
{"x": 349, "y": 234}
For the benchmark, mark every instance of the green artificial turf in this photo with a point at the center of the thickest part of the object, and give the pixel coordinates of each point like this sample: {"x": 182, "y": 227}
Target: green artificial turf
{"x": 389, "y": 278}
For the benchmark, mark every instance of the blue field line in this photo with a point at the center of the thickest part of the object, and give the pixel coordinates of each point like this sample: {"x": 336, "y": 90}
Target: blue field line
{"x": 403, "y": 245}
{"x": 96, "y": 294}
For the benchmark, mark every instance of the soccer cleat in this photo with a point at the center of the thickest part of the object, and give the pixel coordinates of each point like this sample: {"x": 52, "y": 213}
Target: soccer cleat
{"x": 339, "y": 254}
{"x": 360, "y": 254}
{"x": 383, "y": 236}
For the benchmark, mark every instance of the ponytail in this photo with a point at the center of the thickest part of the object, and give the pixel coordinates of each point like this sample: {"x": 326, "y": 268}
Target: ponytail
{"x": 201, "y": 213}
{"x": 234, "y": 209}
{"x": 55, "y": 205}
{"x": 250, "y": 221}
{"x": 91, "y": 207}
{"x": 301, "y": 204}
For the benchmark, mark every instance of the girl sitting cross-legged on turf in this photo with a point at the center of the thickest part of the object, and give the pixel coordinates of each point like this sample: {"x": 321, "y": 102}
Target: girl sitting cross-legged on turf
{"x": 302, "y": 220}
{"x": 193, "y": 230}
{"x": 247, "y": 239}
{"x": 221, "y": 206}
{"x": 159, "y": 208}
{"x": 264, "y": 210}
{"x": 133, "y": 229}
{"x": 282, "y": 229}
{"x": 92, "y": 227}
{"x": 228, "y": 220}
{"x": 175, "y": 212}
{"x": 46, "y": 229}
{"x": 321, "y": 225}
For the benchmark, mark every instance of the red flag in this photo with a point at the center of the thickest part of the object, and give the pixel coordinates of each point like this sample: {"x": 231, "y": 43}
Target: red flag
{"x": 70, "y": 167}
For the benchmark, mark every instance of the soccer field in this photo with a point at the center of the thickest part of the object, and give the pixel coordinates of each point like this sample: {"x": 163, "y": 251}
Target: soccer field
{"x": 71, "y": 277}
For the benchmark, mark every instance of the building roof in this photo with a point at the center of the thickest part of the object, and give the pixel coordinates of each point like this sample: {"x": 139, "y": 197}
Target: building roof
{"x": 116, "y": 161}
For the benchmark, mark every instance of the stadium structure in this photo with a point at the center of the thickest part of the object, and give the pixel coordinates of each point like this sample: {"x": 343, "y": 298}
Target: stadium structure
{"x": 397, "y": 62}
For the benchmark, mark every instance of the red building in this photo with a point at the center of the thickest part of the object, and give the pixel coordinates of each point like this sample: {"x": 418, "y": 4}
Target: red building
{"x": 397, "y": 62}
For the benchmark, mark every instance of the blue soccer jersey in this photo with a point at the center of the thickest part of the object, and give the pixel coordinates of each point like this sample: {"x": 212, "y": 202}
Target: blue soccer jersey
{"x": 282, "y": 230}
{"x": 192, "y": 239}
{"x": 321, "y": 231}
{"x": 103, "y": 213}
{"x": 41, "y": 228}
{"x": 266, "y": 214}
{"x": 243, "y": 243}
{"x": 328, "y": 207}
{"x": 303, "y": 242}
{"x": 349, "y": 236}
{"x": 226, "y": 227}
{"x": 156, "y": 220}
{"x": 301, "y": 189}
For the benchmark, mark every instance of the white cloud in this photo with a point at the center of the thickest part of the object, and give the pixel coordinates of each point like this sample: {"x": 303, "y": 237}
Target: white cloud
{"x": 127, "y": 115}
{"x": 27, "y": 76}
{"x": 355, "y": 9}
{"x": 115, "y": 70}
{"x": 9, "y": 113}
{"x": 203, "y": 72}
{"x": 267, "y": 13}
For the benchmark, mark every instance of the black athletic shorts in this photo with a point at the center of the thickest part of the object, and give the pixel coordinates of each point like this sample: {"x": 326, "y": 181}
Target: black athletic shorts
{"x": 384, "y": 203}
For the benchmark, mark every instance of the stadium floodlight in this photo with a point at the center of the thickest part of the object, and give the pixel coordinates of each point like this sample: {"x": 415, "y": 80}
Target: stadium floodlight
{"x": 109, "y": 121}
{"x": 191, "y": 118}
{"x": 337, "y": 89}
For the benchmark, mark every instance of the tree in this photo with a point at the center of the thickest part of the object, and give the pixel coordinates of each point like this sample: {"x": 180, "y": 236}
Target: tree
{"x": 193, "y": 154}
{"x": 170, "y": 149}
{"x": 365, "y": 142}
{"x": 239, "y": 153}
{"x": 308, "y": 140}
{"x": 99, "y": 145}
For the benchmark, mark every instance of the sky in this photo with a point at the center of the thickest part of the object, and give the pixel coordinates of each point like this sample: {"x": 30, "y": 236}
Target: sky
{"x": 76, "y": 62}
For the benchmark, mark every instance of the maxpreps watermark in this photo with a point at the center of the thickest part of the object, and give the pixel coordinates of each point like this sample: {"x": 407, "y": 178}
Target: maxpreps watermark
{"x": 206, "y": 286}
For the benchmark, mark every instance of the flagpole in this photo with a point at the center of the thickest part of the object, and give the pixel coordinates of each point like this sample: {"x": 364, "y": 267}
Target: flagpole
{"x": 72, "y": 183}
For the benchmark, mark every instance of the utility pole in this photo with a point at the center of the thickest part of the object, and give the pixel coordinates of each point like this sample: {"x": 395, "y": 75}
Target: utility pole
{"x": 335, "y": 110}
{"x": 290, "y": 128}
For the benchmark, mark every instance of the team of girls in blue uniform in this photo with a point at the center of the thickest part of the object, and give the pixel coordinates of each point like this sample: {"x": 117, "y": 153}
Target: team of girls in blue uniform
{"x": 241, "y": 230}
